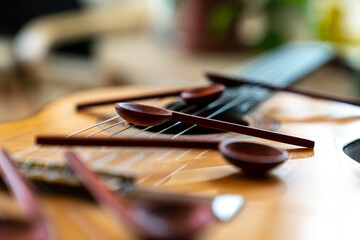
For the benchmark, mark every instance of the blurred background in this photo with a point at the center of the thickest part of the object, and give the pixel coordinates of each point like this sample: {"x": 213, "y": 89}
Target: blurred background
{"x": 51, "y": 48}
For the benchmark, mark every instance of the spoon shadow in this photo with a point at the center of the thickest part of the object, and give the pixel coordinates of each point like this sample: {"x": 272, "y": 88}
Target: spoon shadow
{"x": 251, "y": 187}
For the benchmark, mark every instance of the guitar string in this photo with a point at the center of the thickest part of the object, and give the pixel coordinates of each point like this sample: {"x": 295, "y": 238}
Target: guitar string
{"x": 92, "y": 126}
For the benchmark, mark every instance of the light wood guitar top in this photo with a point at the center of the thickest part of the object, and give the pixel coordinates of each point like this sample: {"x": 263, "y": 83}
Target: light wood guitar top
{"x": 314, "y": 195}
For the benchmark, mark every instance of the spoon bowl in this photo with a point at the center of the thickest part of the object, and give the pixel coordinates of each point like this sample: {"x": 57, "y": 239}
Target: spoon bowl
{"x": 163, "y": 220}
{"x": 252, "y": 158}
{"x": 202, "y": 95}
{"x": 143, "y": 115}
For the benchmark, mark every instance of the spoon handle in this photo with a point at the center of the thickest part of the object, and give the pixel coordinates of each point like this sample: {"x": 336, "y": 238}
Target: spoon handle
{"x": 18, "y": 186}
{"x": 233, "y": 82}
{"x": 24, "y": 195}
{"x": 81, "y": 106}
{"x": 129, "y": 142}
{"x": 250, "y": 131}
{"x": 94, "y": 185}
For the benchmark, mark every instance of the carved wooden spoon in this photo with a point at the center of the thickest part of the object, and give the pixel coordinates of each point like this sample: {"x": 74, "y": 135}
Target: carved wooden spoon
{"x": 145, "y": 115}
{"x": 252, "y": 158}
{"x": 237, "y": 81}
{"x": 166, "y": 220}
{"x": 193, "y": 95}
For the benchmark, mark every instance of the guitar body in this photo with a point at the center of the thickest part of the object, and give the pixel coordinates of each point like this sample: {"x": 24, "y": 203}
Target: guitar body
{"x": 314, "y": 195}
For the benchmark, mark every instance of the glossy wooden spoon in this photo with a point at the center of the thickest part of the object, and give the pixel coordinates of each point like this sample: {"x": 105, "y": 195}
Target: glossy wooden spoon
{"x": 252, "y": 158}
{"x": 145, "y": 115}
{"x": 237, "y": 81}
{"x": 194, "y": 95}
{"x": 165, "y": 220}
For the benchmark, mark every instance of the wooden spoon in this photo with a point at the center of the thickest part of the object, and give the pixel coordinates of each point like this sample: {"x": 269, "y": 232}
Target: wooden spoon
{"x": 236, "y": 81}
{"x": 252, "y": 158}
{"x": 145, "y": 115}
{"x": 197, "y": 96}
{"x": 168, "y": 220}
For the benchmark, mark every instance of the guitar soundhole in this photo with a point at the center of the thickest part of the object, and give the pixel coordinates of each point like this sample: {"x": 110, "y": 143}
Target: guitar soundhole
{"x": 353, "y": 150}
{"x": 229, "y": 116}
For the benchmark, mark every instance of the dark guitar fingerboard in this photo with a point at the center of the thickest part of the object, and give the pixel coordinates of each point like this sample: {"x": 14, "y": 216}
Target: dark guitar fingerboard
{"x": 279, "y": 67}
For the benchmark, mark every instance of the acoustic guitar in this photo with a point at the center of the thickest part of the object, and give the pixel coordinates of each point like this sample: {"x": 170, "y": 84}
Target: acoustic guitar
{"x": 313, "y": 195}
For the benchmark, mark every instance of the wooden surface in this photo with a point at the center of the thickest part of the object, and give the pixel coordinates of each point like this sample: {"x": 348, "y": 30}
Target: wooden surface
{"x": 314, "y": 195}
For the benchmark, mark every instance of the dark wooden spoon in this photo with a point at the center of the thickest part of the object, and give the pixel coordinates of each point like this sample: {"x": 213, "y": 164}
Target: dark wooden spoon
{"x": 145, "y": 115}
{"x": 168, "y": 220}
{"x": 237, "y": 81}
{"x": 202, "y": 95}
{"x": 252, "y": 158}
{"x": 193, "y": 95}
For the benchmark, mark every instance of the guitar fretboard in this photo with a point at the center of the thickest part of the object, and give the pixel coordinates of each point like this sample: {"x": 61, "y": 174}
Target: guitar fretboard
{"x": 280, "y": 67}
